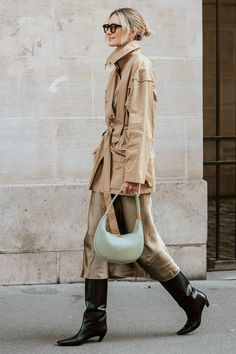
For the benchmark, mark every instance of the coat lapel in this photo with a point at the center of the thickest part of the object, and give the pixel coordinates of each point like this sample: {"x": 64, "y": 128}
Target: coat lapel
{"x": 117, "y": 54}
{"x": 109, "y": 93}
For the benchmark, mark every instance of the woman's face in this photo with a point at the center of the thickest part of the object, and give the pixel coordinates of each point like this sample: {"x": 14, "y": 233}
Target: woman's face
{"x": 114, "y": 39}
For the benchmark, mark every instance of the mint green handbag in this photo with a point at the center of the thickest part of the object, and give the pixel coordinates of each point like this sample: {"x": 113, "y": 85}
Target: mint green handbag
{"x": 114, "y": 248}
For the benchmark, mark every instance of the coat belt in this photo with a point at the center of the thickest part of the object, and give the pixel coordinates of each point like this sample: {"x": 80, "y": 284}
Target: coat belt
{"x": 111, "y": 216}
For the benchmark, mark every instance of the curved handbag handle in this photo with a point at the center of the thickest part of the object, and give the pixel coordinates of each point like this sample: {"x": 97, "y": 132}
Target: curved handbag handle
{"x": 137, "y": 203}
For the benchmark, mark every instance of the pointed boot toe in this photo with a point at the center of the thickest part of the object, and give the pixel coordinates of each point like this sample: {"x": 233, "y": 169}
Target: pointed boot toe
{"x": 94, "y": 318}
{"x": 195, "y": 314}
{"x": 191, "y": 300}
{"x": 70, "y": 341}
{"x": 79, "y": 339}
{"x": 189, "y": 327}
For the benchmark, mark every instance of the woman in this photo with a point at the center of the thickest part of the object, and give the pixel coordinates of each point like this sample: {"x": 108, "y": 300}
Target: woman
{"x": 125, "y": 159}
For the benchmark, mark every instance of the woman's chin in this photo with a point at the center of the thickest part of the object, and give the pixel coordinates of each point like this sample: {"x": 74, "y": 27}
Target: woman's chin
{"x": 112, "y": 43}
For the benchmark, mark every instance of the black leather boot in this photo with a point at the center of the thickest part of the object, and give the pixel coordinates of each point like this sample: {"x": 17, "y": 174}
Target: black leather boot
{"x": 190, "y": 299}
{"x": 94, "y": 318}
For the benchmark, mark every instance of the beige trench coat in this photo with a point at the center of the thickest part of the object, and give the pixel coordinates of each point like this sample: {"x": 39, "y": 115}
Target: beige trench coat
{"x": 125, "y": 152}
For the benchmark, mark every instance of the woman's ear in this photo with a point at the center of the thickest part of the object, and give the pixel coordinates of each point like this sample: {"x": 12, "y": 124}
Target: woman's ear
{"x": 133, "y": 32}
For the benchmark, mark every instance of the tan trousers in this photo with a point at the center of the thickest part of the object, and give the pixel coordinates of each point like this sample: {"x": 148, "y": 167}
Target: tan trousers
{"x": 154, "y": 263}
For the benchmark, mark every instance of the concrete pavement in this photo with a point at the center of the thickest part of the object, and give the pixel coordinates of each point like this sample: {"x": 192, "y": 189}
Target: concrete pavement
{"x": 142, "y": 318}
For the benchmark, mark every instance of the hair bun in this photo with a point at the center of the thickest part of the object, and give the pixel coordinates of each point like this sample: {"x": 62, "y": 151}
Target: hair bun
{"x": 147, "y": 31}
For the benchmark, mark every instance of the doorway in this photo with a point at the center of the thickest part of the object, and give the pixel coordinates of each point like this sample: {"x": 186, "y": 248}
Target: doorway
{"x": 219, "y": 119}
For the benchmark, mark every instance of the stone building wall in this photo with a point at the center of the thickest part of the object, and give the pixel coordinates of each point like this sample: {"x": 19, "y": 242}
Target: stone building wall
{"x": 52, "y": 57}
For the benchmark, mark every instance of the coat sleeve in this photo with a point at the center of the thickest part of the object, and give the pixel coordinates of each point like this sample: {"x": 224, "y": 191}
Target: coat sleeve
{"x": 141, "y": 106}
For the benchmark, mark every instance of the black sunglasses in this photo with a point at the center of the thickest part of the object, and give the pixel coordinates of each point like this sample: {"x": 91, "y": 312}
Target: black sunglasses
{"x": 112, "y": 26}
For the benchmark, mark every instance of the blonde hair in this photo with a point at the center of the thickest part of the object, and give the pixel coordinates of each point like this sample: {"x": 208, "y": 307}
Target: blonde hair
{"x": 131, "y": 18}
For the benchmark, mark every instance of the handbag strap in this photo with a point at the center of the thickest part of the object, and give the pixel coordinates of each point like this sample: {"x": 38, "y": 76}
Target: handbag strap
{"x": 137, "y": 203}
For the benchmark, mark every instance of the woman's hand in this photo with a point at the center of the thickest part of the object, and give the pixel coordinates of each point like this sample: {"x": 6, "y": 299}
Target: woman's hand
{"x": 129, "y": 188}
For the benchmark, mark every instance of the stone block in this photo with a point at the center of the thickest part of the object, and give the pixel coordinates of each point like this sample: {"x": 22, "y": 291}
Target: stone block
{"x": 191, "y": 260}
{"x": 194, "y": 148}
{"x": 26, "y": 29}
{"x": 70, "y": 266}
{"x": 8, "y": 89}
{"x": 78, "y": 27}
{"x": 75, "y": 141}
{"x": 37, "y": 218}
{"x": 55, "y": 88}
{"x": 180, "y": 212}
{"x": 27, "y": 150}
{"x": 45, "y": 150}
{"x": 28, "y": 268}
{"x": 169, "y": 146}
{"x": 193, "y": 28}
{"x": 179, "y": 87}
{"x": 168, "y": 22}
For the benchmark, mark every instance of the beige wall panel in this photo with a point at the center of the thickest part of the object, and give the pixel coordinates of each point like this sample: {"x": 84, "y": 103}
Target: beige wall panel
{"x": 27, "y": 150}
{"x": 40, "y": 218}
{"x": 168, "y": 23}
{"x": 169, "y": 143}
{"x": 76, "y": 139}
{"x": 55, "y": 88}
{"x": 78, "y": 28}
{"x": 28, "y": 268}
{"x": 180, "y": 212}
{"x": 191, "y": 260}
{"x": 194, "y": 148}
{"x": 179, "y": 87}
{"x": 194, "y": 28}
{"x": 70, "y": 266}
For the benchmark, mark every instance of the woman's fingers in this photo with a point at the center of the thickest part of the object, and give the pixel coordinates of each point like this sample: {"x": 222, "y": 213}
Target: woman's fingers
{"x": 129, "y": 188}
{"x": 124, "y": 187}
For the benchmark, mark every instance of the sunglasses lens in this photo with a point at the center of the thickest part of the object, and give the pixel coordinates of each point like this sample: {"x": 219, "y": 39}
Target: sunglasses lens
{"x": 113, "y": 28}
{"x": 105, "y": 28}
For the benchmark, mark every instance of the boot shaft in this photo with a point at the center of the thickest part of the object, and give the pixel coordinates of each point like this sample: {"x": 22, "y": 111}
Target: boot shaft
{"x": 96, "y": 293}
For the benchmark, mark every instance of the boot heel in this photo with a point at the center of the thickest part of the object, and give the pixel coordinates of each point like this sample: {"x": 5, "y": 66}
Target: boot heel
{"x": 101, "y": 337}
{"x": 207, "y": 302}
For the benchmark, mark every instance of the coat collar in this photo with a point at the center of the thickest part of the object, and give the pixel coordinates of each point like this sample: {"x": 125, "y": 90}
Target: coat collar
{"x": 118, "y": 54}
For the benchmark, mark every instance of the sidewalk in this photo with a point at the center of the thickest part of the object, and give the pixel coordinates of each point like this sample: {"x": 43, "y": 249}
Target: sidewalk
{"x": 142, "y": 318}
